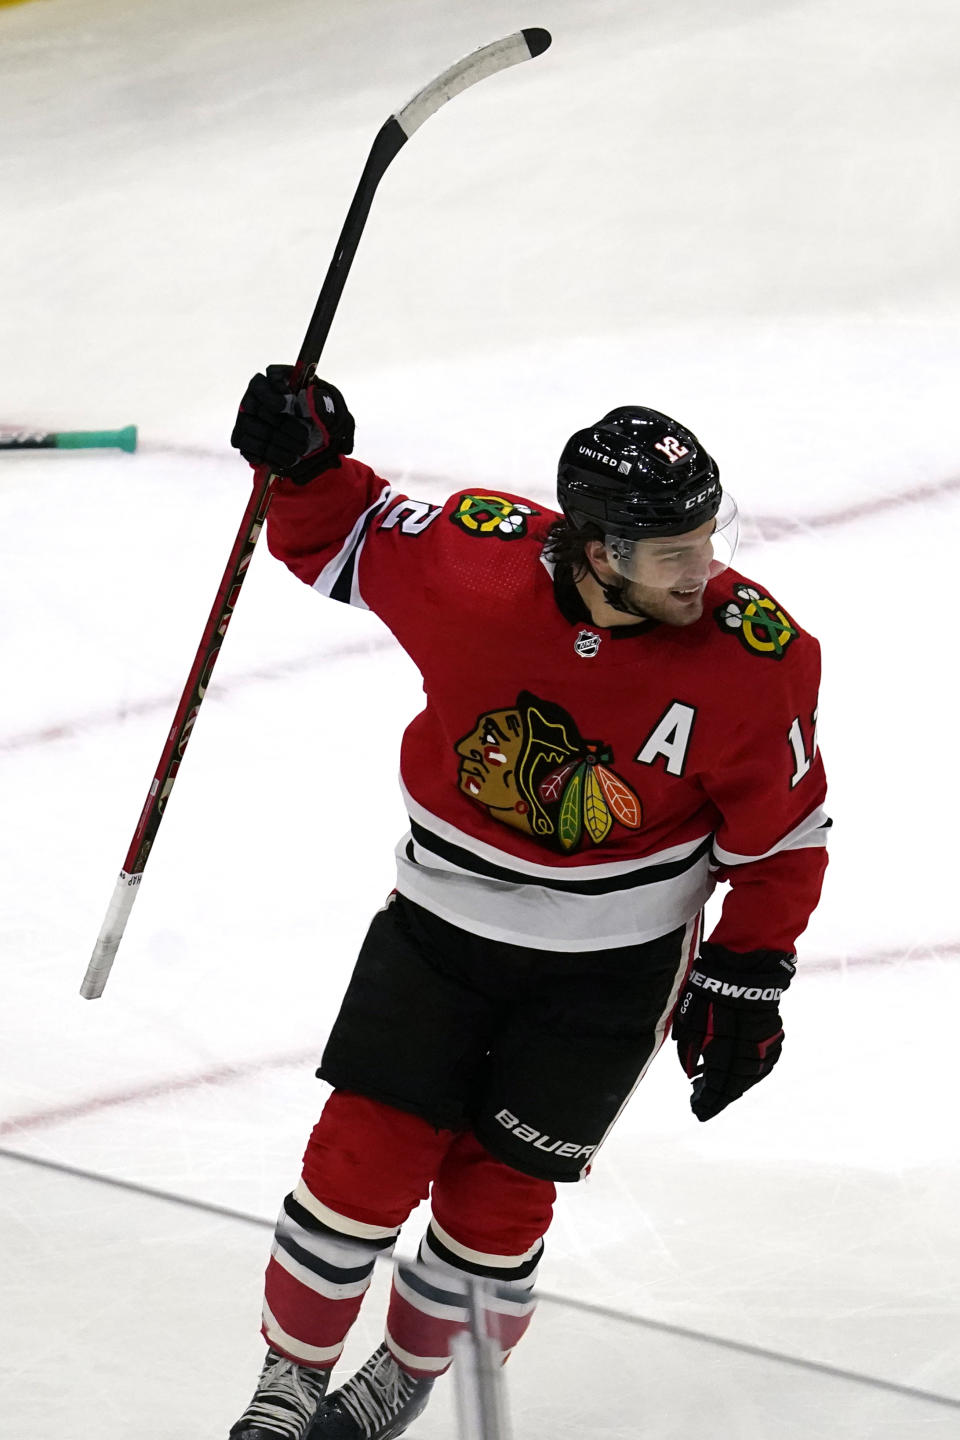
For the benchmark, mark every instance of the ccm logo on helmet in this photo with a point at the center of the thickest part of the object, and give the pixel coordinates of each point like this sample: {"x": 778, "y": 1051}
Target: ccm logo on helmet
{"x": 568, "y": 1149}
{"x": 736, "y": 992}
{"x": 704, "y": 495}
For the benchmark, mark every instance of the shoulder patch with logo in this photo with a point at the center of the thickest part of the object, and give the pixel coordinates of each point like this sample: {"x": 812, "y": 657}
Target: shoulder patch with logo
{"x": 757, "y": 621}
{"x": 491, "y": 515}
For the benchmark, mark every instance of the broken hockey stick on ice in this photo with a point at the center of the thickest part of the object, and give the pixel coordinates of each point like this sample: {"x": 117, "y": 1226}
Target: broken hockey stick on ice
{"x": 125, "y": 439}
{"x": 392, "y": 137}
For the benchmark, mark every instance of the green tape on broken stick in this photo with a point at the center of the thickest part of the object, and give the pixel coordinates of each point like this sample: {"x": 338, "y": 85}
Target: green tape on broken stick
{"x": 125, "y": 439}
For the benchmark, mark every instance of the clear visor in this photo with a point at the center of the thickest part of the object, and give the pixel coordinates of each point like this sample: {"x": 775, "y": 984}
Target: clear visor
{"x": 679, "y": 562}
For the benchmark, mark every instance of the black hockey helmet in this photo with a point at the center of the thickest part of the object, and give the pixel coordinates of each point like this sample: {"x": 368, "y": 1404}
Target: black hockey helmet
{"x": 637, "y": 474}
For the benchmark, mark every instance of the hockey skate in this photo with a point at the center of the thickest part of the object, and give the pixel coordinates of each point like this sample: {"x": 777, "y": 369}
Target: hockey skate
{"x": 378, "y": 1403}
{"x": 284, "y": 1403}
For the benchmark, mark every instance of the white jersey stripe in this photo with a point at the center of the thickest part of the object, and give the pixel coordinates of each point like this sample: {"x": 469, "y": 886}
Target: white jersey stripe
{"x": 605, "y": 870}
{"x": 546, "y": 919}
{"x": 350, "y": 551}
{"x": 810, "y": 833}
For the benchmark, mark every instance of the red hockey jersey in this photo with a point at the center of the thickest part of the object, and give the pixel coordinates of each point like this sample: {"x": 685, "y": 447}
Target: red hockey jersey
{"x": 572, "y": 787}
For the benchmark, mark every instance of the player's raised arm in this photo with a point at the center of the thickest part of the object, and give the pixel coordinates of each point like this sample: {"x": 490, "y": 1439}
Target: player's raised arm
{"x": 322, "y": 502}
{"x": 298, "y": 433}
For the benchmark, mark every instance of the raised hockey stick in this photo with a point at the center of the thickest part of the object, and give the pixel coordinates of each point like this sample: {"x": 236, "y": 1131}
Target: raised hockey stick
{"x": 125, "y": 439}
{"x": 391, "y": 138}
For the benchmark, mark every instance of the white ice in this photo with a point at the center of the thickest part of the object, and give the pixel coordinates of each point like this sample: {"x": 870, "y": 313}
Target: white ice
{"x": 741, "y": 212}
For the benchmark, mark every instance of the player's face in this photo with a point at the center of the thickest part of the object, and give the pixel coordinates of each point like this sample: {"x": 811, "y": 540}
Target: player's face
{"x": 665, "y": 578}
{"x": 669, "y": 576}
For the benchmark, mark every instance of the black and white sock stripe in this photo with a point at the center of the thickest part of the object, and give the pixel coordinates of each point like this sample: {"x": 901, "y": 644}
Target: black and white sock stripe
{"x": 437, "y": 1284}
{"x": 327, "y": 1255}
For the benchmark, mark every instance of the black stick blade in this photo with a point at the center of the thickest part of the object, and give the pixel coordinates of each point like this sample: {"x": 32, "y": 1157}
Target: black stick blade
{"x": 537, "y": 40}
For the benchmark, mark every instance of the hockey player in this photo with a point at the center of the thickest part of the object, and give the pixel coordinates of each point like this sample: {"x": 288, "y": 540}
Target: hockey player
{"x": 615, "y": 721}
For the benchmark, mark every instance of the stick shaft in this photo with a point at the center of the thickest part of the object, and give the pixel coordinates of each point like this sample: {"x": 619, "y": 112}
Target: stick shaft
{"x": 389, "y": 140}
{"x": 171, "y": 758}
{"x": 200, "y": 672}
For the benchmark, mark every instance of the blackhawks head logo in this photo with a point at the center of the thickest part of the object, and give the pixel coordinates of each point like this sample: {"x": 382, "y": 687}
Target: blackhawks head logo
{"x": 759, "y": 623}
{"x": 491, "y": 515}
{"x": 530, "y": 767}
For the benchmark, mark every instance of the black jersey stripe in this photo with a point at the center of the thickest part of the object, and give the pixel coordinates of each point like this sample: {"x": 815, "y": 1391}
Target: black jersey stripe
{"x": 607, "y": 885}
{"x": 343, "y": 585}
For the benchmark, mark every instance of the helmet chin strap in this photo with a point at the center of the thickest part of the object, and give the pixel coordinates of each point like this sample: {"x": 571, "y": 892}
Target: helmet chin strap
{"x": 613, "y": 595}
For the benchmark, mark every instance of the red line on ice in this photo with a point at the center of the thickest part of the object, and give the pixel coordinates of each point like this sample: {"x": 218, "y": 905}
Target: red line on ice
{"x": 756, "y": 527}
{"x": 230, "y": 1074}
{"x": 777, "y": 527}
{"x": 101, "y": 719}
{"x": 152, "y": 1090}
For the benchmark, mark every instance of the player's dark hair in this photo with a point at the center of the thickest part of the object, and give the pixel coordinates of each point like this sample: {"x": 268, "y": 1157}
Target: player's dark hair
{"x": 565, "y": 545}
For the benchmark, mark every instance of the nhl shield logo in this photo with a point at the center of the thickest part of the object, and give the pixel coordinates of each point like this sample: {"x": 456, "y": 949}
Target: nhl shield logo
{"x": 587, "y": 644}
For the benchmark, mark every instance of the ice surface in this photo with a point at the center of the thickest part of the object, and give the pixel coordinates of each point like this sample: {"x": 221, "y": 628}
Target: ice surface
{"x": 744, "y": 213}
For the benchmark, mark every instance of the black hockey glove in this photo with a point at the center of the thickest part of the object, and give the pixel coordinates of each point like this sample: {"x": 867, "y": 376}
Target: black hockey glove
{"x": 298, "y": 435}
{"x": 727, "y": 1023}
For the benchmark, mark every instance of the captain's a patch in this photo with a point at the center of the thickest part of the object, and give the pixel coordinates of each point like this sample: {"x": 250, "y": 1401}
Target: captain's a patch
{"x": 757, "y": 621}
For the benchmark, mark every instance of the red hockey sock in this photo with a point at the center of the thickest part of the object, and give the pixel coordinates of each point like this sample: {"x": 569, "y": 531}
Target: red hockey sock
{"x": 365, "y": 1167}
{"x": 488, "y": 1221}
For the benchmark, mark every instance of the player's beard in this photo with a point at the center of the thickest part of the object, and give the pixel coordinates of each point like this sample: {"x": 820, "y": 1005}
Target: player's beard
{"x": 647, "y": 603}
